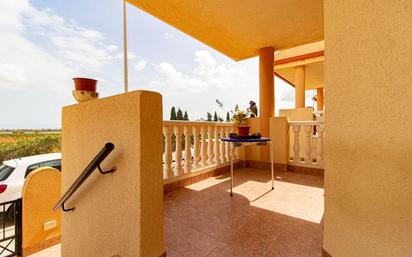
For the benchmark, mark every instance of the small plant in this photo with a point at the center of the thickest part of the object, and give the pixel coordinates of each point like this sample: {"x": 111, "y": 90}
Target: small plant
{"x": 240, "y": 116}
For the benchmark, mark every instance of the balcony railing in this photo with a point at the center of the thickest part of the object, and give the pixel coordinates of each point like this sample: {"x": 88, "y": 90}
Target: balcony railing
{"x": 306, "y": 143}
{"x": 191, "y": 148}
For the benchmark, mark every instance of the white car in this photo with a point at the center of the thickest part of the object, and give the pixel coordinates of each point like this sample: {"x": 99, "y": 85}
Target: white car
{"x": 13, "y": 173}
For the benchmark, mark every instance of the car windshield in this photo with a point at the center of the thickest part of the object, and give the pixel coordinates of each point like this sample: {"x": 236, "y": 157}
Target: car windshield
{"x": 5, "y": 172}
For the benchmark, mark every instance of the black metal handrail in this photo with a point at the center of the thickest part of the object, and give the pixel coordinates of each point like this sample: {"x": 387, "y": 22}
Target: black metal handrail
{"x": 95, "y": 163}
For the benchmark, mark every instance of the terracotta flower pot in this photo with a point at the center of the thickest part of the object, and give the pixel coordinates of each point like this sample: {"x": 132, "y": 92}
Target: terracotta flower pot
{"x": 85, "y": 84}
{"x": 243, "y": 131}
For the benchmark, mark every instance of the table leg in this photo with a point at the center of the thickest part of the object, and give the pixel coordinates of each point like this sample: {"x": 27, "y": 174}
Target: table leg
{"x": 271, "y": 165}
{"x": 231, "y": 149}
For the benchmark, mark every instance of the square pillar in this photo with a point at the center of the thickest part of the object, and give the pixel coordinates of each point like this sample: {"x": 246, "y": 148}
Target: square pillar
{"x": 121, "y": 213}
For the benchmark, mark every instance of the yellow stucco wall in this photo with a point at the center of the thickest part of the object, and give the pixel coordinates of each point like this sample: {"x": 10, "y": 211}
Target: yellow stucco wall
{"x": 298, "y": 114}
{"x": 278, "y": 133}
{"x": 252, "y": 152}
{"x": 119, "y": 213}
{"x": 368, "y": 179}
{"x": 40, "y": 193}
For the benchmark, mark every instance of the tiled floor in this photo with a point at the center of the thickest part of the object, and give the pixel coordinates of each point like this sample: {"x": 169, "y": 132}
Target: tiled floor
{"x": 54, "y": 251}
{"x": 203, "y": 220}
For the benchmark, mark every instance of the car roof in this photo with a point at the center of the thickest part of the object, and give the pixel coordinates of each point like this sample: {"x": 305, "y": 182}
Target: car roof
{"x": 33, "y": 159}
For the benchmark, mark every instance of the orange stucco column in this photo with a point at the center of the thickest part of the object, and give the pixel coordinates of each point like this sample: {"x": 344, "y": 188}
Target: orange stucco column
{"x": 300, "y": 87}
{"x": 266, "y": 88}
{"x": 319, "y": 99}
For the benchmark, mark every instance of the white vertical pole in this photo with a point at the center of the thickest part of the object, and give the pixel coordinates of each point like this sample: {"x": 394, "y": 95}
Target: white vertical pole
{"x": 126, "y": 76}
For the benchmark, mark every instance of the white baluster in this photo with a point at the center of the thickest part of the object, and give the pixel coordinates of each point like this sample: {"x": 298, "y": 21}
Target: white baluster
{"x": 222, "y": 146}
{"x": 188, "y": 149}
{"x": 203, "y": 149}
{"x": 296, "y": 147}
{"x": 320, "y": 130}
{"x": 168, "y": 152}
{"x": 236, "y": 153}
{"x": 217, "y": 146}
{"x": 196, "y": 155}
{"x": 314, "y": 154}
{"x": 308, "y": 145}
{"x": 178, "y": 152}
{"x": 210, "y": 153}
{"x": 227, "y": 129}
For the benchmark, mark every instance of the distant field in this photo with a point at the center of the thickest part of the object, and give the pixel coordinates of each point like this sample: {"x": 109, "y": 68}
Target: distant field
{"x": 16, "y": 145}
{"x": 7, "y": 137}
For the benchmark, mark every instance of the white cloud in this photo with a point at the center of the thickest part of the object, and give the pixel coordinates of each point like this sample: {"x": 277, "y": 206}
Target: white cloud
{"x": 232, "y": 82}
{"x": 140, "y": 65}
{"x": 168, "y": 35}
{"x": 112, "y": 48}
{"x": 287, "y": 96}
{"x": 205, "y": 59}
{"x": 61, "y": 49}
{"x": 177, "y": 81}
{"x": 206, "y": 74}
{"x": 40, "y": 53}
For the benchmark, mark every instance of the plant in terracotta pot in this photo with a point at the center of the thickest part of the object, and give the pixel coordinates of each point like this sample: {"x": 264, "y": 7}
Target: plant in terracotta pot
{"x": 84, "y": 89}
{"x": 239, "y": 117}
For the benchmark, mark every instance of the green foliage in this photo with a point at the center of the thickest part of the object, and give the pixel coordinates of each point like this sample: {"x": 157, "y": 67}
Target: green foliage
{"x": 240, "y": 116}
{"x": 253, "y": 109}
{"x": 24, "y": 146}
{"x": 227, "y": 117}
{"x": 179, "y": 114}
{"x": 173, "y": 115}
{"x": 209, "y": 116}
{"x": 215, "y": 118}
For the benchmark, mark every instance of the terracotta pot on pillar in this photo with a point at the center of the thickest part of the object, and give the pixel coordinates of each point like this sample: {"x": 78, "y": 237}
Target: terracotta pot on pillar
{"x": 85, "y": 89}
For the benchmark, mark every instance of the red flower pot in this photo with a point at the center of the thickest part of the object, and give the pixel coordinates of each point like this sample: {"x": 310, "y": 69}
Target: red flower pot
{"x": 243, "y": 131}
{"x": 85, "y": 84}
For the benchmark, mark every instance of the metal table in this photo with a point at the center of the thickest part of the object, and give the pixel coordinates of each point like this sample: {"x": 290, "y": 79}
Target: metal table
{"x": 237, "y": 142}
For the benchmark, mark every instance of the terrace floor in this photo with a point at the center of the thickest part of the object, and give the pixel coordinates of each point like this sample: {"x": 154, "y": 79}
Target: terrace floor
{"x": 203, "y": 220}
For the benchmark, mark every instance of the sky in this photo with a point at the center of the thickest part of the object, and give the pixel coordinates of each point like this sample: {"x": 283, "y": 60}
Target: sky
{"x": 45, "y": 43}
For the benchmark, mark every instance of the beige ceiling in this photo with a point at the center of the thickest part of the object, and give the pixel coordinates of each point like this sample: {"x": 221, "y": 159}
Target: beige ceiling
{"x": 239, "y": 29}
{"x": 313, "y": 74}
{"x": 300, "y": 50}
{"x": 311, "y": 56}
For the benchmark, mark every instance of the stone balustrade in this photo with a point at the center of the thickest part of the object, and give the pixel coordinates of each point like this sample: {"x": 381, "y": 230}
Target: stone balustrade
{"x": 191, "y": 148}
{"x": 307, "y": 139}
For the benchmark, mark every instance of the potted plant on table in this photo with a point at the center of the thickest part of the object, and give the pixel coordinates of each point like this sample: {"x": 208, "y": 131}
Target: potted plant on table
{"x": 239, "y": 117}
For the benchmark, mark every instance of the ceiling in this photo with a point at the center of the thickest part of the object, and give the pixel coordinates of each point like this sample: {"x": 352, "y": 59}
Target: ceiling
{"x": 313, "y": 75}
{"x": 311, "y": 56}
{"x": 239, "y": 29}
